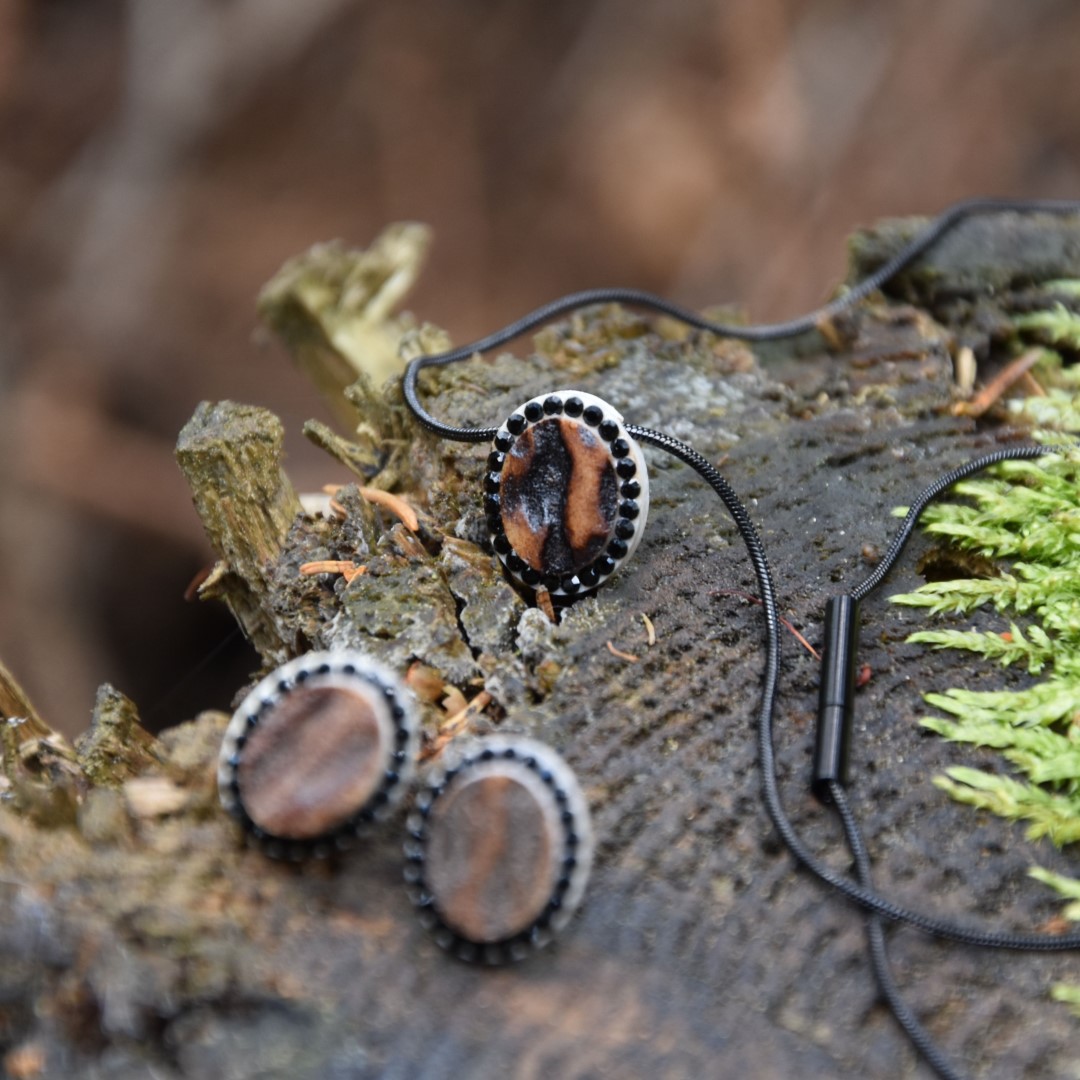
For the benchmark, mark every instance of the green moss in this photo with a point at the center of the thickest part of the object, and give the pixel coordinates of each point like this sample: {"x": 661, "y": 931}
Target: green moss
{"x": 1029, "y": 514}
{"x": 1061, "y": 325}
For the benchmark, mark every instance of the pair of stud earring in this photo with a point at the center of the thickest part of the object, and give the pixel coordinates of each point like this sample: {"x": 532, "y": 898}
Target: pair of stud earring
{"x": 499, "y": 842}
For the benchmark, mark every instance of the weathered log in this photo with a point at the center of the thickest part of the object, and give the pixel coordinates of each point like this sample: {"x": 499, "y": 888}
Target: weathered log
{"x": 147, "y": 935}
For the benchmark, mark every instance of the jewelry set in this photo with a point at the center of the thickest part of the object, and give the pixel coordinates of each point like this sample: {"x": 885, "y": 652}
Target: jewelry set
{"x": 499, "y": 842}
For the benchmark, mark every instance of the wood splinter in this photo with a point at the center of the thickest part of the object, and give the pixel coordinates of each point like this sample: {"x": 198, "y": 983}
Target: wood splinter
{"x": 1015, "y": 371}
{"x": 348, "y": 570}
{"x": 394, "y": 503}
{"x": 545, "y": 604}
{"x": 455, "y": 725}
{"x": 622, "y": 655}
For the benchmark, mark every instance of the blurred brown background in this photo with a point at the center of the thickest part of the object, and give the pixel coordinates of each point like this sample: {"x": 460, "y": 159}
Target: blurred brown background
{"x": 159, "y": 160}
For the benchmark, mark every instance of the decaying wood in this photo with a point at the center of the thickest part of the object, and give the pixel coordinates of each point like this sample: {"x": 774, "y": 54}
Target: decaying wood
{"x": 116, "y": 747}
{"x": 334, "y": 309}
{"x": 142, "y": 934}
{"x": 231, "y": 456}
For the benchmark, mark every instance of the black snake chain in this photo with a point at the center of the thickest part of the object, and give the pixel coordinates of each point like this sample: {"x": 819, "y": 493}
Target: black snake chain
{"x": 835, "y": 714}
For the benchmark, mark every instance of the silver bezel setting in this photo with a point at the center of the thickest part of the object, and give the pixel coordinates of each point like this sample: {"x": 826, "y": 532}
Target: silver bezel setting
{"x": 542, "y": 765}
{"x": 347, "y": 669}
{"x": 629, "y": 463}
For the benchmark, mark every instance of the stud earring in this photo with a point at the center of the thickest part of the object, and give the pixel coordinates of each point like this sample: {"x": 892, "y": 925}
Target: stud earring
{"x": 320, "y": 749}
{"x": 500, "y": 848}
{"x": 566, "y": 492}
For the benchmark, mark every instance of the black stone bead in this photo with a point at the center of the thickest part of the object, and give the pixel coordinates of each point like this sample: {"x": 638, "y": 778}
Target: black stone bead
{"x": 629, "y": 509}
{"x": 323, "y": 669}
{"x": 348, "y": 669}
{"x": 515, "y": 562}
{"x": 303, "y": 675}
{"x": 501, "y": 544}
{"x": 534, "y": 411}
{"x": 573, "y": 406}
{"x": 487, "y": 754}
{"x": 593, "y": 415}
{"x": 494, "y": 524}
{"x": 516, "y": 424}
{"x": 401, "y": 736}
{"x": 553, "y": 405}
{"x": 492, "y": 482}
{"x": 626, "y": 468}
{"x": 590, "y": 576}
{"x": 552, "y": 582}
{"x": 390, "y": 778}
{"x": 496, "y": 460}
{"x": 571, "y": 585}
{"x": 620, "y": 448}
{"x": 608, "y": 430}
{"x": 617, "y": 549}
{"x": 503, "y": 441}
{"x": 606, "y": 564}
{"x": 509, "y": 753}
{"x": 530, "y": 576}
{"x": 493, "y": 504}
{"x": 624, "y": 529}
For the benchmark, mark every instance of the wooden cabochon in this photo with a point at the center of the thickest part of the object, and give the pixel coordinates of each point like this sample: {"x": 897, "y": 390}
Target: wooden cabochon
{"x": 493, "y": 854}
{"x": 559, "y": 496}
{"x": 312, "y": 761}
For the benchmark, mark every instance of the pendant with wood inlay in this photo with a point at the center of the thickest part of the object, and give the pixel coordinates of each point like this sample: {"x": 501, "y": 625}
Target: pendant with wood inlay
{"x": 501, "y": 848}
{"x": 566, "y": 492}
{"x": 318, "y": 750}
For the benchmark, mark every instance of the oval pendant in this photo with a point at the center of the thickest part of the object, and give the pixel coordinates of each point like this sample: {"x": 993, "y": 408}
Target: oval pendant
{"x": 566, "y": 492}
{"x": 318, "y": 750}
